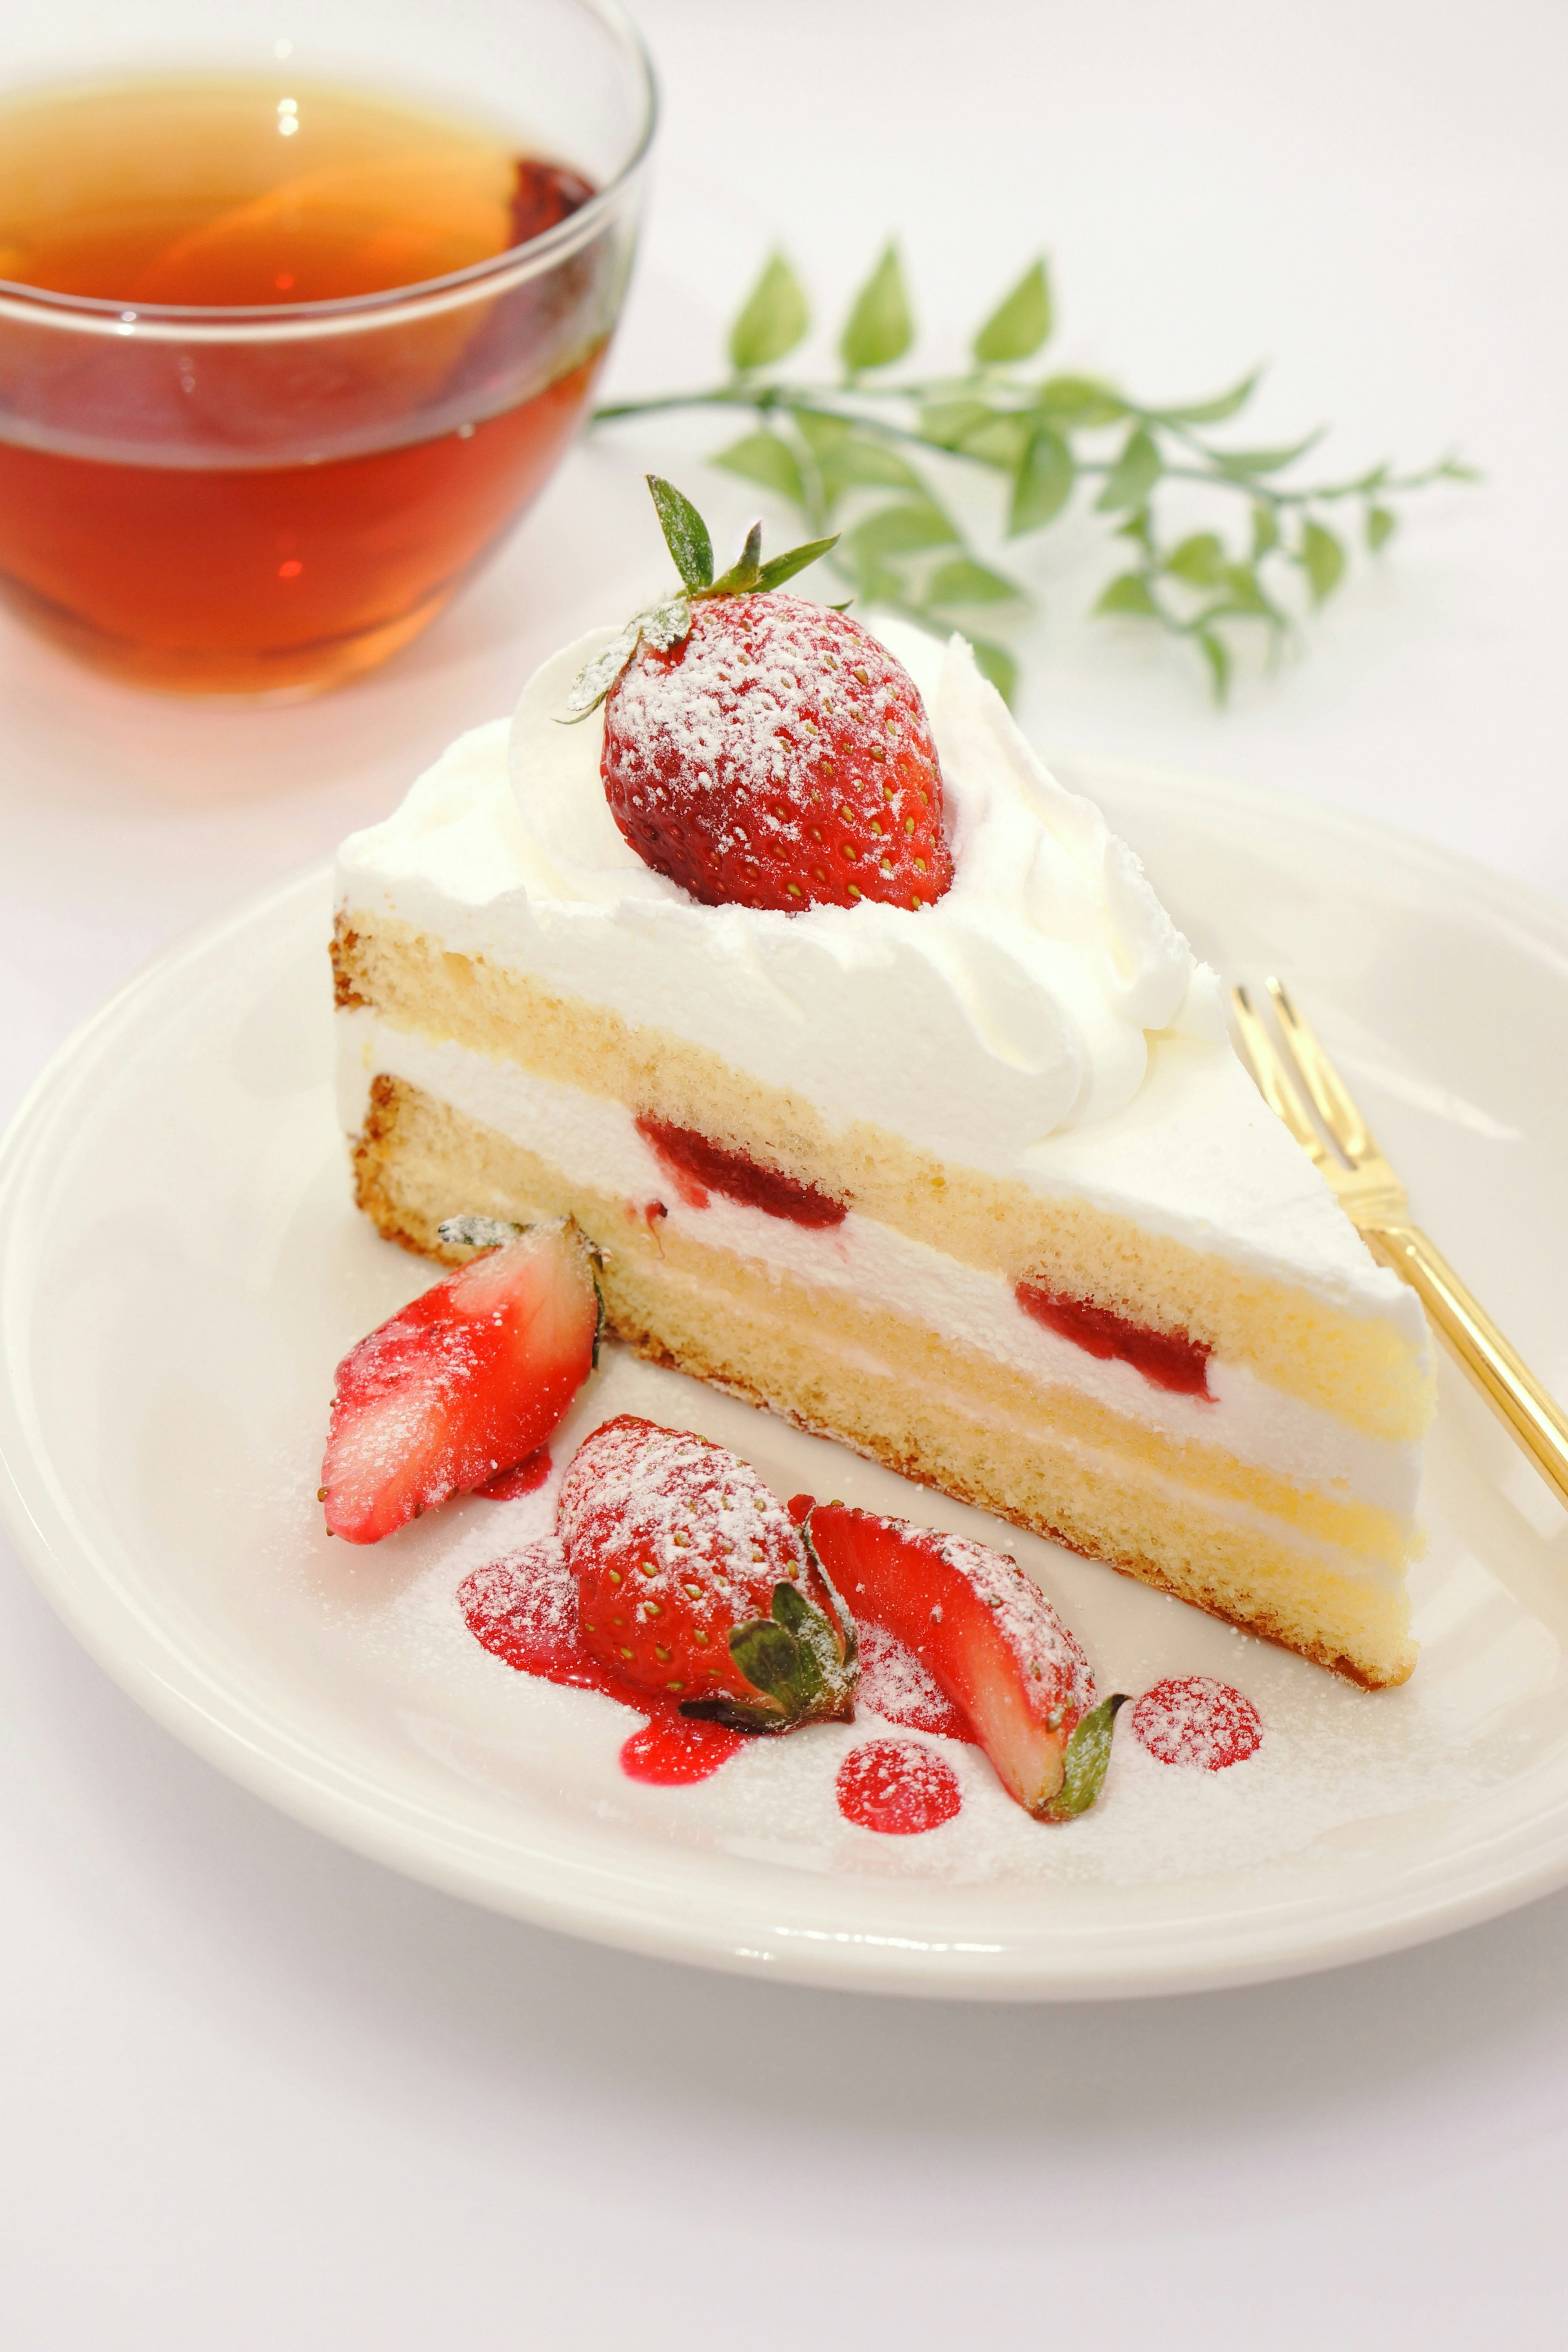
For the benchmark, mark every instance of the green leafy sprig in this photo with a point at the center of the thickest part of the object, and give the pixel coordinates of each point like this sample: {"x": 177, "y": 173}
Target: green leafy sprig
{"x": 866, "y": 456}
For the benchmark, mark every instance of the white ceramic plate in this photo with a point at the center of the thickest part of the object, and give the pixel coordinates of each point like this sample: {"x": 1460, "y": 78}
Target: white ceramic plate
{"x": 183, "y": 1270}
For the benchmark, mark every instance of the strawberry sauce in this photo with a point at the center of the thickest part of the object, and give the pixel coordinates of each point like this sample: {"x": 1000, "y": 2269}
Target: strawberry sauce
{"x": 701, "y": 1166}
{"x": 1172, "y": 1359}
{"x": 523, "y": 1609}
{"x": 1194, "y": 1720}
{"x": 898, "y": 1787}
{"x": 524, "y": 1477}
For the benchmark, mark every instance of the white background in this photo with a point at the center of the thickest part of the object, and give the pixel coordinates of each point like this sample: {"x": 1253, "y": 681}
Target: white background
{"x": 259, "y": 2093}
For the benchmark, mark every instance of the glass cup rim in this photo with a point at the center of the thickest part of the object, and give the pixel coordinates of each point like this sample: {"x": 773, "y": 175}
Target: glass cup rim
{"x": 210, "y": 322}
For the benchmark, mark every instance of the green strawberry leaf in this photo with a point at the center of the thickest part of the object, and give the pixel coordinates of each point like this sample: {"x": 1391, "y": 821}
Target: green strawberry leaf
{"x": 1020, "y": 323}
{"x": 879, "y": 328}
{"x": 769, "y": 1656}
{"x": 774, "y": 317}
{"x": 779, "y": 568}
{"x": 744, "y": 573}
{"x": 685, "y": 533}
{"x": 1087, "y": 1754}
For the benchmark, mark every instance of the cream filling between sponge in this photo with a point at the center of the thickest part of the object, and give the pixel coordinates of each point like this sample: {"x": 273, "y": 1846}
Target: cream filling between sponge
{"x": 594, "y": 1141}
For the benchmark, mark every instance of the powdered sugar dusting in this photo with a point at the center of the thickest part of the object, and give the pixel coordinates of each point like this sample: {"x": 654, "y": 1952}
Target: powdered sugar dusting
{"x": 1048, "y": 1650}
{"x": 896, "y": 1685}
{"x": 1194, "y": 1720}
{"x": 726, "y": 760}
{"x": 709, "y": 1539}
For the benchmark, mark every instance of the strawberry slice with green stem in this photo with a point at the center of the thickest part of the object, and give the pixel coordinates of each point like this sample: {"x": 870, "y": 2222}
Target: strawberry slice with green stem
{"x": 468, "y": 1380}
{"x": 988, "y": 1635}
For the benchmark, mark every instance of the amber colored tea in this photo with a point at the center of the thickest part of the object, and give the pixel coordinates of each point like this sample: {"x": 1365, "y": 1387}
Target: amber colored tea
{"x": 275, "y": 501}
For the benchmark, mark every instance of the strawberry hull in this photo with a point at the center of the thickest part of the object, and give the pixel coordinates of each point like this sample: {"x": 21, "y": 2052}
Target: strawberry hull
{"x": 984, "y": 1632}
{"x": 466, "y": 1381}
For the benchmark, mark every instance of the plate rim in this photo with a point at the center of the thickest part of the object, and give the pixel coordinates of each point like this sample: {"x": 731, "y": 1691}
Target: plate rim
{"x": 221, "y": 1724}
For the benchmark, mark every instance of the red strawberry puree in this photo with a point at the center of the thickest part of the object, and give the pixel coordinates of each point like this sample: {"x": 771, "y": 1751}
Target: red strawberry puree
{"x": 1194, "y": 1720}
{"x": 523, "y": 1608}
{"x": 897, "y": 1786}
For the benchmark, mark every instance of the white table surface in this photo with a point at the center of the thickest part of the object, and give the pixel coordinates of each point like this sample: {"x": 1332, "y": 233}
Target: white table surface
{"x": 257, "y": 2092}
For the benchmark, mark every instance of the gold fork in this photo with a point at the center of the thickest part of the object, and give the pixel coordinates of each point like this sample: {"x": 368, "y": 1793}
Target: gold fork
{"x": 1374, "y": 1198}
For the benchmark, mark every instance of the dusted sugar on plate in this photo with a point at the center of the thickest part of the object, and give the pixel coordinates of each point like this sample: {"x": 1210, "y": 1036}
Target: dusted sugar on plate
{"x": 868, "y": 1057}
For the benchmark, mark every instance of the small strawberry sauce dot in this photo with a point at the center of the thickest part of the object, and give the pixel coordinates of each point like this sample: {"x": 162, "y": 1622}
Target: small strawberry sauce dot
{"x": 899, "y": 1787}
{"x": 523, "y": 1478}
{"x": 1194, "y": 1720}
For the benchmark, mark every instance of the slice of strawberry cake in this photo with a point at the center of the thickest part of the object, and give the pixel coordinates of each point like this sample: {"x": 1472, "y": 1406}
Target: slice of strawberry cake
{"x": 765, "y": 949}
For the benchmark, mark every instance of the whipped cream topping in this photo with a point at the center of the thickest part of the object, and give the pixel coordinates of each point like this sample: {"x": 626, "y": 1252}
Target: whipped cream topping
{"x": 1030, "y": 983}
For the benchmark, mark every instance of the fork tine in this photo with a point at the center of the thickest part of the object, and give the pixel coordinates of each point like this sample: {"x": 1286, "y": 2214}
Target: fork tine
{"x": 1274, "y": 1081}
{"x": 1331, "y": 1097}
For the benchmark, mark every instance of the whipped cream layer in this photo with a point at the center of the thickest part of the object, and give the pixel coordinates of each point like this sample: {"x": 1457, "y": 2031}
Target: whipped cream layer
{"x": 595, "y": 1142}
{"x": 1044, "y": 1020}
{"x": 1031, "y": 983}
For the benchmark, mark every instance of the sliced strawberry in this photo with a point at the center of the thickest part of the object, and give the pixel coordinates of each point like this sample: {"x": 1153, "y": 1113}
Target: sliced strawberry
{"x": 693, "y": 1579}
{"x": 989, "y": 1638}
{"x": 468, "y": 1380}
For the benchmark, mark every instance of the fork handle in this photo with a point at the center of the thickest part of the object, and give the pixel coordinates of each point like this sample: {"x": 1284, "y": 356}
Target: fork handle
{"x": 1510, "y": 1387}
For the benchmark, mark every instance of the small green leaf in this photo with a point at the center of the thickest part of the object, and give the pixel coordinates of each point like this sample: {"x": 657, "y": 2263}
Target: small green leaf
{"x": 742, "y": 576}
{"x": 1322, "y": 559}
{"x": 1020, "y": 323}
{"x": 995, "y": 663}
{"x": 768, "y": 1655}
{"x": 1080, "y": 400}
{"x": 772, "y": 319}
{"x": 1135, "y": 474}
{"x": 1217, "y": 655}
{"x": 1138, "y": 526}
{"x": 1264, "y": 530}
{"x": 945, "y": 423}
{"x": 1087, "y": 1754}
{"x": 1128, "y": 594}
{"x": 1199, "y": 561}
{"x": 1381, "y": 526}
{"x": 779, "y": 568}
{"x": 1243, "y": 462}
{"x": 967, "y": 582}
{"x": 901, "y": 530}
{"x": 685, "y": 533}
{"x": 1002, "y": 441}
{"x": 879, "y": 328}
{"x": 764, "y": 458}
{"x": 820, "y": 432}
{"x": 860, "y": 463}
{"x": 1215, "y": 411}
{"x": 1243, "y": 594}
{"x": 1044, "y": 482}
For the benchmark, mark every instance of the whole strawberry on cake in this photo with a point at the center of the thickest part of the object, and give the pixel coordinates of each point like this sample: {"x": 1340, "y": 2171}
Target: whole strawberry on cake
{"x": 761, "y": 945}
